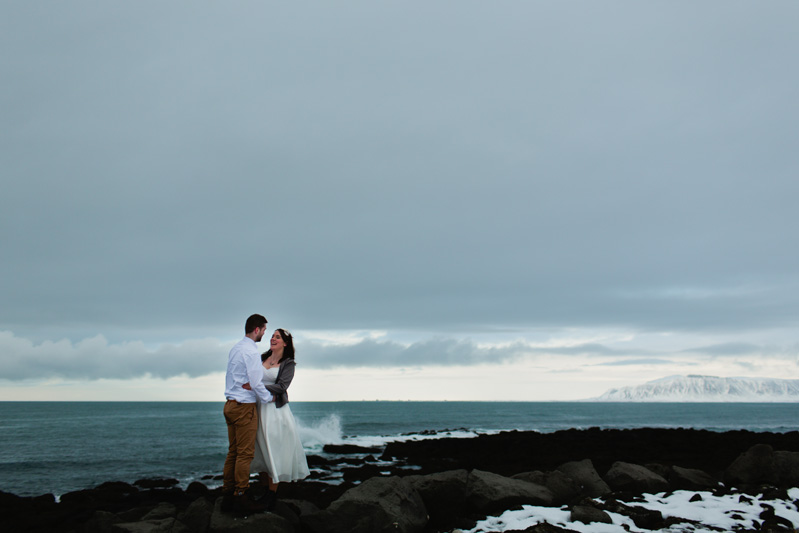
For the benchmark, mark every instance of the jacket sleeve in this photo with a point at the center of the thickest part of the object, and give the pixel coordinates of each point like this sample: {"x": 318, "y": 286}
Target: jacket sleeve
{"x": 284, "y": 379}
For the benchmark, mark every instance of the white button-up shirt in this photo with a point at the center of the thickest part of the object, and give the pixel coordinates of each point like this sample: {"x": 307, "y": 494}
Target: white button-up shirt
{"x": 244, "y": 366}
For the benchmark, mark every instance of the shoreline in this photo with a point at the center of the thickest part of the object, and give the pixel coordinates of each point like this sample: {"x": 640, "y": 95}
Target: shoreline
{"x": 449, "y": 483}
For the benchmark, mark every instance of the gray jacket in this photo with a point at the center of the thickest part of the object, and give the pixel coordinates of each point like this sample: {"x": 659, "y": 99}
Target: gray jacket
{"x": 284, "y": 376}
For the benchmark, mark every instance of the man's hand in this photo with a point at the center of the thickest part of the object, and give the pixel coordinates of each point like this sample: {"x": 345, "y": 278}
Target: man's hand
{"x": 246, "y": 386}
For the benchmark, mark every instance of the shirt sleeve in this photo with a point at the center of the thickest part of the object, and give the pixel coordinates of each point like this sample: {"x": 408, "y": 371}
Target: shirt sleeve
{"x": 255, "y": 373}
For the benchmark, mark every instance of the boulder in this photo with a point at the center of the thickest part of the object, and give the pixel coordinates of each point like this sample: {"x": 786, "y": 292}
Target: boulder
{"x": 588, "y": 514}
{"x": 350, "y": 449}
{"x": 197, "y": 515}
{"x": 690, "y": 479}
{"x": 443, "y": 494}
{"x": 160, "y": 511}
{"x": 641, "y": 517}
{"x": 300, "y": 507}
{"x": 382, "y": 504}
{"x": 286, "y": 511}
{"x": 754, "y": 466}
{"x": 156, "y": 483}
{"x": 585, "y": 475}
{"x": 196, "y": 488}
{"x": 488, "y": 492}
{"x": 634, "y": 478}
{"x": 787, "y": 466}
{"x": 545, "y": 527}
{"x": 564, "y": 489}
{"x": 164, "y": 525}
{"x": 255, "y": 523}
{"x": 100, "y": 522}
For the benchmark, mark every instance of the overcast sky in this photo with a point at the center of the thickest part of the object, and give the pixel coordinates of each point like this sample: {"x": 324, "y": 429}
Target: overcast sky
{"x": 456, "y": 200}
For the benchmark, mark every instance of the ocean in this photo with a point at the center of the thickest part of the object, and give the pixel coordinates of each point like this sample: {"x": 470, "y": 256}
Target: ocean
{"x": 58, "y": 447}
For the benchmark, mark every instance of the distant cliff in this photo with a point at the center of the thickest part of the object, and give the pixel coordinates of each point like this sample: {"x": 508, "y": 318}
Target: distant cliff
{"x": 707, "y": 389}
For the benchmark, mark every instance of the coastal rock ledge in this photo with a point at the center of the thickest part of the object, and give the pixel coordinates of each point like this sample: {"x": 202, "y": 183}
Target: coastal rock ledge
{"x": 591, "y": 474}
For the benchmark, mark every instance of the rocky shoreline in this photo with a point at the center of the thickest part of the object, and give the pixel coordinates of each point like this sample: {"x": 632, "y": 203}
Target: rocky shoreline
{"x": 443, "y": 484}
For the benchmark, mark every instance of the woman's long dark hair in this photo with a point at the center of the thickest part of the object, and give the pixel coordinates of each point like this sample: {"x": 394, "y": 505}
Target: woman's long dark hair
{"x": 288, "y": 351}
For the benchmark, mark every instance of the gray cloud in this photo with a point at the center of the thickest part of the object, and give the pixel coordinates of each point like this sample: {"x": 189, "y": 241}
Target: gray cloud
{"x": 456, "y": 169}
{"x": 633, "y": 362}
{"x": 96, "y": 358}
{"x": 729, "y": 348}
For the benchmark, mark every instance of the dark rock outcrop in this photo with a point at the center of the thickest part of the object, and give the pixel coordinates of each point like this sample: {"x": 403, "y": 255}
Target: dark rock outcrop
{"x": 588, "y": 514}
{"x": 634, "y": 478}
{"x": 383, "y": 504}
{"x": 585, "y": 475}
{"x": 563, "y": 488}
{"x": 488, "y": 492}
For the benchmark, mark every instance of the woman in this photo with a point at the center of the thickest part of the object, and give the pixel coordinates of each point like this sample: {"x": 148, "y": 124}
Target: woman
{"x": 278, "y": 450}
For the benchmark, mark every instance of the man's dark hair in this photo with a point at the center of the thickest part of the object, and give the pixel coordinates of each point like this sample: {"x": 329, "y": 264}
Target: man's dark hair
{"x": 254, "y": 322}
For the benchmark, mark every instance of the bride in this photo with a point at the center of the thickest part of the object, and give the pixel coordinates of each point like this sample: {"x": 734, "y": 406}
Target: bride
{"x": 278, "y": 450}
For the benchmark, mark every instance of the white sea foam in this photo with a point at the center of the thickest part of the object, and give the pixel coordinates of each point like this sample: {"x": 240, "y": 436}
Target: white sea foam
{"x": 329, "y": 431}
{"x": 380, "y": 441}
{"x": 714, "y": 513}
{"x": 326, "y": 431}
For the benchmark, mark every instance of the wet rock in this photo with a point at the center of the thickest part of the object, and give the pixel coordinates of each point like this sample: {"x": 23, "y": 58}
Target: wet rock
{"x": 100, "y": 522}
{"x": 690, "y": 479}
{"x": 773, "y": 523}
{"x": 564, "y": 489}
{"x": 300, "y": 507}
{"x": 160, "y": 511}
{"x": 197, "y": 515}
{"x": 754, "y": 466}
{"x": 641, "y": 517}
{"x": 588, "y": 514}
{"x": 585, "y": 475}
{"x": 164, "y": 525}
{"x": 156, "y": 483}
{"x": 350, "y": 449}
{"x": 385, "y": 504}
{"x": 787, "y": 466}
{"x": 545, "y": 527}
{"x": 444, "y": 495}
{"x": 196, "y": 488}
{"x": 362, "y": 473}
{"x": 634, "y": 478}
{"x": 255, "y": 523}
{"x": 488, "y": 492}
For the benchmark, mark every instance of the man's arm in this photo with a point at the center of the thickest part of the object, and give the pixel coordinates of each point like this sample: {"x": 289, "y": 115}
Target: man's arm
{"x": 255, "y": 373}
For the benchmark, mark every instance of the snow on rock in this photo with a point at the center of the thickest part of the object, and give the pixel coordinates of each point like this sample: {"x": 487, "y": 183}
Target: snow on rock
{"x": 703, "y": 512}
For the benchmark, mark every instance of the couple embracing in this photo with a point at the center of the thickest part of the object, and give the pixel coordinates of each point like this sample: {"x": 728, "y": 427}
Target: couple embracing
{"x": 262, "y": 433}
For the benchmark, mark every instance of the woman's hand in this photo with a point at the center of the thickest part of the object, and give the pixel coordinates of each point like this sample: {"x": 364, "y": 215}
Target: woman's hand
{"x": 246, "y": 386}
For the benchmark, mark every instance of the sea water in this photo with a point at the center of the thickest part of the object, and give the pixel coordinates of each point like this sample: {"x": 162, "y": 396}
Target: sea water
{"x": 58, "y": 447}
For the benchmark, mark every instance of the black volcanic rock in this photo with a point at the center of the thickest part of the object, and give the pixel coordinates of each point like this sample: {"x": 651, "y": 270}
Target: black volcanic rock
{"x": 451, "y": 480}
{"x": 510, "y": 453}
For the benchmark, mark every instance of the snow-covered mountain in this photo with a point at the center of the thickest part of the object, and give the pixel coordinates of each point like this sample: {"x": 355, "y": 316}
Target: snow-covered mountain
{"x": 707, "y": 389}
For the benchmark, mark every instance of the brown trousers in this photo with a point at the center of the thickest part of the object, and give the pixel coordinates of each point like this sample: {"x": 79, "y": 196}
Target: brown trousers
{"x": 242, "y": 425}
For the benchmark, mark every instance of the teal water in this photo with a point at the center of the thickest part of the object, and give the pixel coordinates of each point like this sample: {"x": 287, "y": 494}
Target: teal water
{"x": 57, "y": 447}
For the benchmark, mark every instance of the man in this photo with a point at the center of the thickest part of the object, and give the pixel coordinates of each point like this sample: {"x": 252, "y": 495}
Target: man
{"x": 241, "y": 415}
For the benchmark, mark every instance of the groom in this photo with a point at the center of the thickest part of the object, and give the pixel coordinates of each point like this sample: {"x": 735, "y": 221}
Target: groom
{"x": 241, "y": 415}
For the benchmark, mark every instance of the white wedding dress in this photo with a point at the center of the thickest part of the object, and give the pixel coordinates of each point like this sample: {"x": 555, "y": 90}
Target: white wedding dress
{"x": 278, "y": 449}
